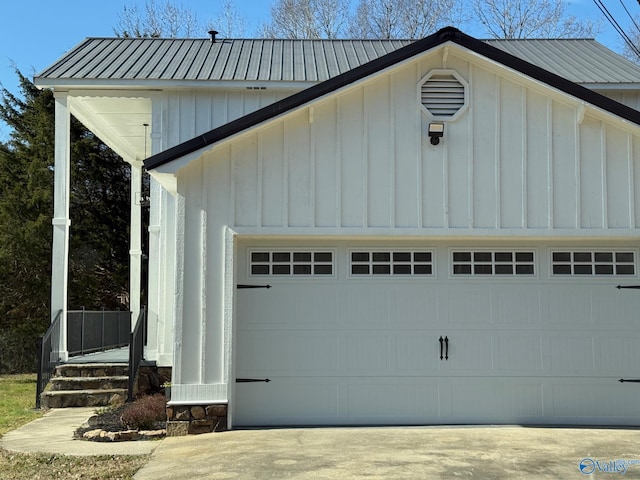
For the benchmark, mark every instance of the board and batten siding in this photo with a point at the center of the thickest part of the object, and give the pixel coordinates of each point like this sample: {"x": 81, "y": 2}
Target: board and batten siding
{"x": 189, "y": 113}
{"x": 516, "y": 159}
{"x": 522, "y": 161}
{"x": 629, "y": 97}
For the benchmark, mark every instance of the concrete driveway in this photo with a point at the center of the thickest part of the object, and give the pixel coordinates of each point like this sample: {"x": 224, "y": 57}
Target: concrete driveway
{"x": 399, "y": 453}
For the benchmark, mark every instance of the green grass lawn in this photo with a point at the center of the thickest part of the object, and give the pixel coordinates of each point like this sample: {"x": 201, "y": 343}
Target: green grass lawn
{"x": 17, "y": 401}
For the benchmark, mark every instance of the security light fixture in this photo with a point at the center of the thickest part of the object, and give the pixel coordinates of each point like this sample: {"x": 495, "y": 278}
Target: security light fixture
{"x": 436, "y": 130}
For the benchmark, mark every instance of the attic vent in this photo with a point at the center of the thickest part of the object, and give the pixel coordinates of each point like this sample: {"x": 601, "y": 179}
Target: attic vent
{"x": 443, "y": 94}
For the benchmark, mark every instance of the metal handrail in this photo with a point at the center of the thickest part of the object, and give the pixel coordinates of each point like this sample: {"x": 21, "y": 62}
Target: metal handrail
{"x": 136, "y": 349}
{"x": 96, "y": 331}
{"x": 48, "y": 356}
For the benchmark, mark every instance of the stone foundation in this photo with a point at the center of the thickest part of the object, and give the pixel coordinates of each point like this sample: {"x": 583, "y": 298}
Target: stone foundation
{"x": 194, "y": 419}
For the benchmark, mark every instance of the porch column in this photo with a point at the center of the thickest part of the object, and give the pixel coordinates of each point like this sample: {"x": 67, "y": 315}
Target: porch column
{"x": 61, "y": 221}
{"x": 135, "y": 244}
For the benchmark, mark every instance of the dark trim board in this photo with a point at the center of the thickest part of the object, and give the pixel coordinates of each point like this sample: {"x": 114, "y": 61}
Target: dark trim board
{"x": 448, "y": 34}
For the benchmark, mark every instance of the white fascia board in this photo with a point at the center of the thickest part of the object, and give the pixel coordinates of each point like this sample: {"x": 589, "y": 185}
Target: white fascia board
{"x": 422, "y": 234}
{"x": 611, "y": 86}
{"x": 142, "y": 84}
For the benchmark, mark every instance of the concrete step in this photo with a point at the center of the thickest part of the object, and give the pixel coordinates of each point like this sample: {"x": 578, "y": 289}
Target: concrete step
{"x": 92, "y": 370}
{"x": 83, "y": 398}
{"x": 89, "y": 383}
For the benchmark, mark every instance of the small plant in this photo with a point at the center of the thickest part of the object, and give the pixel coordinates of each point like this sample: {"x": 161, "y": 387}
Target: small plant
{"x": 145, "y": 413}
{"x": 106, "y": 410}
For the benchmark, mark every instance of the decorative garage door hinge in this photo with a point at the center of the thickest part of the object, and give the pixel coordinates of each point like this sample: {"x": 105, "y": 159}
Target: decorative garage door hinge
{"x": 636, "y": 287}
{"x": 252, "y": 380}
{"x": 629, "y": 380}
{"x": 253, "y": 286}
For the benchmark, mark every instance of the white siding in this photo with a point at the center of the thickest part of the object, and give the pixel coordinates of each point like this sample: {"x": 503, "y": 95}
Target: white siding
{"x": 628, "y": 97}
{"x": 193, "y": 112}
{"x": 517, "y": 159}
{"x": 522, "y": 161}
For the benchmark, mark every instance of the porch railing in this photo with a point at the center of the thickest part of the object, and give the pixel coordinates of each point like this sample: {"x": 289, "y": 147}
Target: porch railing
{"x": 48, "y": 356}
{"x": 136, "y": 349}
{"x": 95, "y": 331}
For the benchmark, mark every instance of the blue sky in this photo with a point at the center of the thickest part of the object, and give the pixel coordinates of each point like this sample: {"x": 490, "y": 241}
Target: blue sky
{"x": 35, "y": 33}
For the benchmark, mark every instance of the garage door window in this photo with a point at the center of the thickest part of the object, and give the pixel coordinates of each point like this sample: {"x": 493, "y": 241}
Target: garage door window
{"x": 593, "y": 263}
{"x": 380, "y": 262}
{"x": 300, "y": 263}
{"x": 493, "y": 263}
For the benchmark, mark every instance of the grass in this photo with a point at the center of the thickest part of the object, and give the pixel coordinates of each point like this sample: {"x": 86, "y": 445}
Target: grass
{"x": 21, "y": 466}
{"x": 17, "y": 399}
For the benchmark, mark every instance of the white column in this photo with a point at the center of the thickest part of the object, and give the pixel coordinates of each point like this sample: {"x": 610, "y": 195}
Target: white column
{"x": 61, "y": 221}
{"x": 135, "y": 243}
{"x": 154, "y": 286}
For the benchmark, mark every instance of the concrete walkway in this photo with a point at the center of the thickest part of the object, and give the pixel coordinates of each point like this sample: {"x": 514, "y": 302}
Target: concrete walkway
{"x": 53, "y": 433}
{"x": 398, "y": 453}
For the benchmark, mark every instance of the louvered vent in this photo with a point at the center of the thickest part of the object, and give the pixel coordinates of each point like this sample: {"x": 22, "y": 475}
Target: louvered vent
{"x": 443, "y": 95}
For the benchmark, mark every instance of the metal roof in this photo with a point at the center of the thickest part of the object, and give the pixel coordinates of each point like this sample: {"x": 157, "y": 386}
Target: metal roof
{"x": 150, "y": 59}
{"x": 200, "y": 59}
{"x": 578, "y": 60}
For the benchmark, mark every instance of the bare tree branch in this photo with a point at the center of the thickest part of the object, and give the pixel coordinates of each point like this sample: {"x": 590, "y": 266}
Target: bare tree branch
{"x": 307, "y": 19}
{"x": 229, "y": 22}
{"x": 531, "y": 19}
{"x": 404, "y": 18}
{"x": 167, "y": 19}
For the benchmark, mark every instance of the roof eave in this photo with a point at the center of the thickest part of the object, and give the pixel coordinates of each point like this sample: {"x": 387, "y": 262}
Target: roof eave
{"x": 139, "y": 84}
{"x": 611, "y": 85}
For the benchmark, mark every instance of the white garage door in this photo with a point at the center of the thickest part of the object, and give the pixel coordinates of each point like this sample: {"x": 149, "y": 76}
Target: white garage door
{"x": 393, "y": 334}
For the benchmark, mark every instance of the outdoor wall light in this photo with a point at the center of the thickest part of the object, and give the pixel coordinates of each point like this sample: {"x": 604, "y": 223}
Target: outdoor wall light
{"x": 436, "y": 130}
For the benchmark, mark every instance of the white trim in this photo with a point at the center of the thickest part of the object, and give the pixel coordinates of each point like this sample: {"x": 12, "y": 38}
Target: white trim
{"x": 446, "y": 76}
{"x": 229, "y": 319}
{"x": 413, "y": 233}
{"x": 194, "y": 394}
{"x": 88, "y": 84}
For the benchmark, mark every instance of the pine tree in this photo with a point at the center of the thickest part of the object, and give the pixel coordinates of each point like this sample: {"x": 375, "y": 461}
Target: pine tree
{"x": 26, "y": 186}
{"x": 99, "y": 236}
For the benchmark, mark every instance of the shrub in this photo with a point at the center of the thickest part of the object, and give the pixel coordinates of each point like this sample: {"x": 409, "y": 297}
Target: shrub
{"x": 145, "y": 413}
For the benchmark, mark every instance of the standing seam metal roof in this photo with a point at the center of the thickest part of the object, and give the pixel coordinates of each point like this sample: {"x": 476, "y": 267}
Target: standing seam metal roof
{"x": 578, "y": 60}
{"x": 200, "y": 59}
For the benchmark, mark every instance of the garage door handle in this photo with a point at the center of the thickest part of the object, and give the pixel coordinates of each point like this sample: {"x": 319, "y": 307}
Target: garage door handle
{"x": 441, "y": 340}
{"x": 446, "y": 346}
